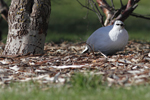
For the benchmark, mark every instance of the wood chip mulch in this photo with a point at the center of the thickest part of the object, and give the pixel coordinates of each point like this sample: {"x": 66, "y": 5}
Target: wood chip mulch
{"x": 61, "y": 61}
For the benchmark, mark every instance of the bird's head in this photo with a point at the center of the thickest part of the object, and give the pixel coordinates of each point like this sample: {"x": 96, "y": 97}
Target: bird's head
{"x": 119, "y": 24}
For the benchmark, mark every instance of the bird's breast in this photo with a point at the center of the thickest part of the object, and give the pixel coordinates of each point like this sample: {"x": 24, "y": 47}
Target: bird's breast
{"x": 117, "y": 35}
{"x": 118, "y": 38}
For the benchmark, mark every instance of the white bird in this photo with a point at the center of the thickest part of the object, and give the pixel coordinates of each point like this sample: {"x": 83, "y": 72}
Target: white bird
{"x": 109, "y": 39}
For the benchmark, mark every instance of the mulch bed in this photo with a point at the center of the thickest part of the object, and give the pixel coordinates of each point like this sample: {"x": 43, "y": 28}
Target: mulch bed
{"x": 61, "y": 61}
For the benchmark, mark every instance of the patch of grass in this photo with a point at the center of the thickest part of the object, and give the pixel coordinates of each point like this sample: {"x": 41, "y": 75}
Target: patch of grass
{"x": 87, "y": 81}
{"x": 71, "y": 22}
{"x": 78, "y": 23}
{"x": 81, "y": 87}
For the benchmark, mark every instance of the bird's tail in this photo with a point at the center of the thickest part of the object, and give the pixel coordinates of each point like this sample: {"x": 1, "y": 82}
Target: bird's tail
{"x": 86, "y": 50}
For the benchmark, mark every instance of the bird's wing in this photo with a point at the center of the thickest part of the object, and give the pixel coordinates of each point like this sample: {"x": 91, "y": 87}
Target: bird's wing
{"x": 100, "y": 34}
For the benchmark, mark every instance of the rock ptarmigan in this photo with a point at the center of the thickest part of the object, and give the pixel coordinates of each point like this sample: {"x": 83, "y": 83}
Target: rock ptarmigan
{"x": 109, "y": 39}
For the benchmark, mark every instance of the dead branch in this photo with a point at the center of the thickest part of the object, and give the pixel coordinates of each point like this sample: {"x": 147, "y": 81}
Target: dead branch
{"x": 113, "y": 14}
{"x": 95, "y": 8}
{"x": 123, "y": 13}
{"x": 106, "y": 9}
{"x": 4, "y": 9}
{"x": 131, "y": 5}
{"x": 85, "y": 6}
{"x": 121, "y": 3}
{"x": 140, "y": 16}
{"x": 112, "y": 3}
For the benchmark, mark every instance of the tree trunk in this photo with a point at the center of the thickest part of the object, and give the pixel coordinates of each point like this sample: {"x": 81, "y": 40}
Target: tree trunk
{"x": 28, "y": 23}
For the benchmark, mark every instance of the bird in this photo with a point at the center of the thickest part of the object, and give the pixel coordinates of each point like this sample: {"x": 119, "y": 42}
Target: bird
{"x": 108, "y": 40}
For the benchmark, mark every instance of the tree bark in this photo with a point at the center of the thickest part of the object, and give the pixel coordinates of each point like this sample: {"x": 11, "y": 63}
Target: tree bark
{"x": 28, "y": 23}
{"x": 112, "y": 15}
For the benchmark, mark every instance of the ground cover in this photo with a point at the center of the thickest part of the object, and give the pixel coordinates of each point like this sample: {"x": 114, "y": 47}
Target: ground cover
{"x": 63, "y": 73}
{"x": 84, "y": 76}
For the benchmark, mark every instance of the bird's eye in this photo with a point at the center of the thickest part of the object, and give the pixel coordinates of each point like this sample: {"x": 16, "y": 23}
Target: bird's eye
{"x": 121, "y": 25}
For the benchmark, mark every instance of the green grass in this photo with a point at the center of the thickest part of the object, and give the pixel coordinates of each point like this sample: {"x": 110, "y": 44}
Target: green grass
{"x": 71, "y": 22}
{"x": 77, "y": 23}
{"x": 81, "y": 87}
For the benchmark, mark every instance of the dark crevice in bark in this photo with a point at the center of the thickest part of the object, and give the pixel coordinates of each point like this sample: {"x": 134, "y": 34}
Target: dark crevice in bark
{"x": 31, "y": 5}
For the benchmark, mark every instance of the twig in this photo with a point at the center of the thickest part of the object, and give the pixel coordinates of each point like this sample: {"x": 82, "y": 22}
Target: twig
{"x": 131, "y": 5}
{"x": 98, "y": 13}
{"x": 56, "y": 76}
{"x": 103, "y": 54}
{"x": 121, "y": 3}
{"x": 107, "y": 10}
{"x": 85, "y": 6}
{"x": 140, "y": 16}
{"x": 4, "y": 10}
{"x": 112, "y": 4}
